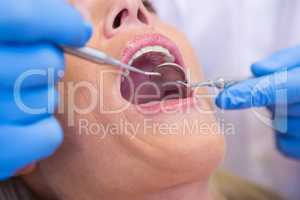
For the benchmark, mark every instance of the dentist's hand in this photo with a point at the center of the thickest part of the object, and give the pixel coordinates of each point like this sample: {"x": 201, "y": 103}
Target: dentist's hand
{"x": 30, "y": 33}
{"x": 277, "y": 85}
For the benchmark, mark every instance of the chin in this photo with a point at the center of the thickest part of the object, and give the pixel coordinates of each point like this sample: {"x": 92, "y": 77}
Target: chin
{"x": 174, "y": 138}
{"x": 162, "y": 134}
{"x": 172, "y": 141}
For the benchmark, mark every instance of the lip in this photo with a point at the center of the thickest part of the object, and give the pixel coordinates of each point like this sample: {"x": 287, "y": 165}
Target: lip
{"x": 142, "y": 41}
{"x": 171, "y": 105}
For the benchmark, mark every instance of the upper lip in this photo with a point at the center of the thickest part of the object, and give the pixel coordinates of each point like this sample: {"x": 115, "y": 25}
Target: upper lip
{"x": 137, "y": 89}
{"x": 151, "y": 40}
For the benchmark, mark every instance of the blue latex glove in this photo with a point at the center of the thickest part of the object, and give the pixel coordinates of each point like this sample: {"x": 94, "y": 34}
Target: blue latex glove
{"x": 30, "y": 32}
{"x": 277, "y": 85}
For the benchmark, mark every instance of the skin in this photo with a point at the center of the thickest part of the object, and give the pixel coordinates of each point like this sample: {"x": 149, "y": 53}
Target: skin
{"x": 148, "y": 166}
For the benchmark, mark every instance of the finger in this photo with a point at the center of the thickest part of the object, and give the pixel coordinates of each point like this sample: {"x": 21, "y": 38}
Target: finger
{"x": 34, "y": 64}
{"x": 279, "y": 88}
{"x": 24, "y": 145}
{"x": 288, "y": 145}
{"x": 48, "y": 20}
{"x": 287, "y": 126}
{"x": 282, "y": 60}
{"x": 27, "y": 106}
{"x": 292, "y": 110}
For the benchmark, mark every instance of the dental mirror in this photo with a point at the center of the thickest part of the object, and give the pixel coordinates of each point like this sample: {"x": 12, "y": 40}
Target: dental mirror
{"x": 170, "y": 72}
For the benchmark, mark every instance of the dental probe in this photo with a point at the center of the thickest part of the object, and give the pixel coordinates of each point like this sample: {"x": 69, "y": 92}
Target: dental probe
{"x": 178, "y": 71}
{"x": 99, "y": 57}
{"x": 219, "y": 83}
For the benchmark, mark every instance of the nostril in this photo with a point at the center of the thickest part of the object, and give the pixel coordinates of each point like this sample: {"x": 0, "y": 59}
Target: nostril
{"x": 141, "y": 16}
{"x": 118, "y": 20}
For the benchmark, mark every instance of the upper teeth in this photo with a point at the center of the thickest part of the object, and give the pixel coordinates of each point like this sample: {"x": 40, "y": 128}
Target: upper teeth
{"x": 168, "y": 56}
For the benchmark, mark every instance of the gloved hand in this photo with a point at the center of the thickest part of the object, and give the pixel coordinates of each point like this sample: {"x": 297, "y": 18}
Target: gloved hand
{"x": 277, "y": 86}
{"x": 30, "y": 32}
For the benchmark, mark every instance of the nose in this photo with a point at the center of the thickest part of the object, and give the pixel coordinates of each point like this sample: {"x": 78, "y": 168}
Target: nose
{"x": 126, "y": 14}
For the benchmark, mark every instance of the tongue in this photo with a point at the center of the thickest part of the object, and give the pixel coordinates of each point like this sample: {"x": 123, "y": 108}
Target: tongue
{"x": 140, "y": 89}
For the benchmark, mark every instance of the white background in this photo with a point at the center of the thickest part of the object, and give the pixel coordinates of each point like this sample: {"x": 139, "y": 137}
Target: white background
{"x": 228, "y": 36}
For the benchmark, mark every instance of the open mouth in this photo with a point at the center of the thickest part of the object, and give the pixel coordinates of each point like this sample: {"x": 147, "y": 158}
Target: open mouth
{"x": 154, "y": 53}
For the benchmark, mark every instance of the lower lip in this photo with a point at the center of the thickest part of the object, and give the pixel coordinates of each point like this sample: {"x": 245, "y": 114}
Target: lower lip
{"x": 167, "y": 106}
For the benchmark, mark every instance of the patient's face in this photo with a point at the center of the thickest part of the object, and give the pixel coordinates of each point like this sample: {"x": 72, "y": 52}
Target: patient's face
{"x": 124, "y": 136}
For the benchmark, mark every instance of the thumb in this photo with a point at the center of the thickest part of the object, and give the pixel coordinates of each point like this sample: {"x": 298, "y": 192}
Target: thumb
{"x": 279, "y": 88}
{"x": 282, "y": 60}
{"x": 244, "y": 95}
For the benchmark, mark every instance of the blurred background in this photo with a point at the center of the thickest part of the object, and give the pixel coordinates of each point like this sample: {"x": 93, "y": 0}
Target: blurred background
{"x": 228, "y": 37}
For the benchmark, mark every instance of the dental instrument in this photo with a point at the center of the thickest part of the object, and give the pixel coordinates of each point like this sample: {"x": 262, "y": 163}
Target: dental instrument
{"x": 179, "y": 78}
{"x": 220, "y": 83}
{"x": 170, "y": 72}
{"x": 99, "y": 57}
